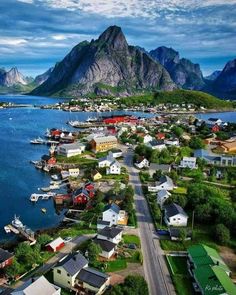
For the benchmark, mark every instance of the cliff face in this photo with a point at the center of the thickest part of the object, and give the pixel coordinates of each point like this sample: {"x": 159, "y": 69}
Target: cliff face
{"x": 182, "y": 71}
{"x": 43, "y": 77}
{"x": 106, "y": 66}
{"x": 11, "y": 78}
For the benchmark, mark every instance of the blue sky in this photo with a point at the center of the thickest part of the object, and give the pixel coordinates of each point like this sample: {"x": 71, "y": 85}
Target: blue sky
{"x": 35, "y": 34}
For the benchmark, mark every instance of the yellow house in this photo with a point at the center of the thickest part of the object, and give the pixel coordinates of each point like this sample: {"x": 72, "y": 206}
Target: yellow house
{"x": 229, "y": 147}
{"x": 96, "y": 175}
{"x": 104, "y": 143}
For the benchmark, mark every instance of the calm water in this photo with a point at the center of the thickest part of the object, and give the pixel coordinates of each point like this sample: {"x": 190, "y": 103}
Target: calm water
{"x": 18, "y": 178}
{"x": 226, "y": 117}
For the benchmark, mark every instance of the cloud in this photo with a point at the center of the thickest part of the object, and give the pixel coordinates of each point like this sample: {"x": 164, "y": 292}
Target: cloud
{"x": 12, "y": 41}
{"x": 59, "y": 37}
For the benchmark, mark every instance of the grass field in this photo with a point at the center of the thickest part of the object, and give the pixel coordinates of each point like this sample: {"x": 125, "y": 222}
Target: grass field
{"x": 178, "y": 264}
{"x": 131, "y": 239}
{"x": 180, "y": 190}
{"x": 116, "y": 265}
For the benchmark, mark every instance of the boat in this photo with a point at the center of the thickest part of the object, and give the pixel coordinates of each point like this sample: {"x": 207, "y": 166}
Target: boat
{"x": 16, "y": 222}
{"x": 45, "y": 189}
{"x": 7, "y": 229}
{"x": 44, "y": 210}
{"x": 38, "y": 140}
{"x": 91, "y": 119}
{"x": 55, "y": 177}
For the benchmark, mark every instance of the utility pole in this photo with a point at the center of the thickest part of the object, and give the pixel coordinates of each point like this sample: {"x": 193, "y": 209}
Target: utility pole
{"x": 192, "y": 219}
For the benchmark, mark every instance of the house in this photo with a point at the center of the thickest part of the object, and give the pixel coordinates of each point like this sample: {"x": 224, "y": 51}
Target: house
{"x": 55, "y": 245}
{"x": 80, "y": 196}
{"x": 112, "y": 234}
{"x": 165, "y": 183}
{"x": 114, "y": 215}
{"x": 172, "y": 142}
{"x": 211, "y": 274}
{"x": 215, "y": 128}
{"x": 70, "y": 150}
{"x": 228, "y": 146}
{"x": 147, "y": 138}
{"x": 175, "y": 215}
{"x": 108, "y": 248}
{"x": 114, "y": 168}
{"x": 106, "y": 161}
{"x": 72, "y": 272}
{"x": 48, "y": 160}
{"x": 215, "y": 159}
{"x": 162, "y": 196}
{"x": 104, "y": 143}
{"x": 116, "y": 153}
{"x": 156, "y": 144}
{"x": 6, "y": 258}
{"x": 214, "y": 121}
{"x": 153, "y": 168}
{"x": 188, "y": 162}
{"x": 37, "y": 286}
{"x": 160, "y": 136}
{"x": 96, "y": 175}
{"x": 73, "y": 172}
{"x": 142, "y": 162}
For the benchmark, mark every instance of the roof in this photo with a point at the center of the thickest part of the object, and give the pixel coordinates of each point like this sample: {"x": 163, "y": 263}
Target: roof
{"x": 4, "y": 255}
{"x": 162, "y": 167}
{"x": 189, "y": 159}
{"x": 55, "y": 243}
{"x": 92, "y": 277}
{"x": 163, "y": 193}
{"x": 80, "y": 191}
{"x": 155, "y": 142}
{"x": 106, "y": 246}
{"x": 214, "y": 281}
{"x": 110, "y": 232}
{"x": 73, "y": 263}
{"x": 116, "y": 151}
{"x": 38, "y": 287}
{"x": 166, "y": 179}
{"x": 115, "y": 163}
{"x": 105, "y": 139}
{"x": 112, "y": 207}
{"x": 174, "y": 209}
{"x": 72, "y": 146}
{"x": 103, "y": 222}
{"x": 203, "y": 255}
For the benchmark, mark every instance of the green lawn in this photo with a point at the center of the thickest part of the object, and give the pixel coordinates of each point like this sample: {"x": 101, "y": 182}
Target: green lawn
{"x": 74, "y": 231}
{"x": 131, "y": 239}
{"x": 180, "y": 190}
{"x": 180, "y": 275}
{"x": 79, "y": 159}
{"x": 116, "y": 265}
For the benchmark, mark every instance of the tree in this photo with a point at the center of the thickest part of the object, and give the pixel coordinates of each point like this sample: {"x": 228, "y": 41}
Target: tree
{"x": 222, "y": 234}
{"x": 232, "y": 195}
{"x": 43, "y": 239}
{"x": 178, "y": 131}
{"x": 93, "y": 252}
{"x": 14, "y": 270}
{"x": 196, "y": 143}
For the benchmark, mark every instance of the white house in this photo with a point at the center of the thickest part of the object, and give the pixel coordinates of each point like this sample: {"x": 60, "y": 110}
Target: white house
{"x": 106, "y": 161}
{"x": 175, "y": 215}
{"x": 188, "y": 162}
{"x": 112, "y": 234}
{"x": 73, "y": 172}
{"x": 72, "y": 272}
{"x": 108, "y": 248}
{"x": 113, "y": 215}
{"x": 142, "y": 163}
{"x": 214, "y": 121}
{"x": 115, "y": 168}
{"x": 70, "y": 150}
{"x": 37, "y": 286}
{"x": 116, "y": 153}
{"x": 147, "y": 138}
{"x": 162, "y": 196}
{"x": 172, "y": 142}
{"x": 156, "y": 145}
{"x": 165, "y": 183}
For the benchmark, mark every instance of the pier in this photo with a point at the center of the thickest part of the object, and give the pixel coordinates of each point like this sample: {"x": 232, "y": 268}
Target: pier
{"x": 36, "y": 197}
{"x": 24, "y": 231}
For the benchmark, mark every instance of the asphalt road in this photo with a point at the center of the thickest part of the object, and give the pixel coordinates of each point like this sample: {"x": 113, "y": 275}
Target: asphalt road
{"x": 155, "y": 269}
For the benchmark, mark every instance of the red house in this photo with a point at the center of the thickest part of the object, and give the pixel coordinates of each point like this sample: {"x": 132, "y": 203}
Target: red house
{"x": 6, "y": 258}
{"x": 55, "y": 245}
{"x": 215, "y": 128}
{"x": 89, "y": 186}
{"x": 49, "y": 160}
{"x": 160, "y": 136}
{"x": 80, "y": 196}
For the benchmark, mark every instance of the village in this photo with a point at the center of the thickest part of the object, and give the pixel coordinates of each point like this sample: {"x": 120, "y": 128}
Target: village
{"x": 182, "y": 168}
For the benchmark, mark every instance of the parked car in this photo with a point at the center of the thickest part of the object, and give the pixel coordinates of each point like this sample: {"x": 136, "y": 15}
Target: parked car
{"x": 132, "y": 246}
{"x": 68, "y": 239}
{"x": 163, "y": 232}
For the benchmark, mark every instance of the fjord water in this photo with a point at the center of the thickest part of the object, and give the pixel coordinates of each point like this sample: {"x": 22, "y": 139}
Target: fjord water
{"x": 18, "y": 178}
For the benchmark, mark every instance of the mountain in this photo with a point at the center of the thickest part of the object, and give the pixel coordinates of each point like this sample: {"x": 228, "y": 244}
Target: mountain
{"x": 213, "y": 76}
{"x": 225, "y": 83}
{"x": 40, "y": 79}
{"x": 106, "y": 66}
{"x": 183, "y": 72}
{"x": 12, "y": 77}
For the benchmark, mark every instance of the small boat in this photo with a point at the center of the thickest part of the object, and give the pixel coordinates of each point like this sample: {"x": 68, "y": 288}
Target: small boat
{"x": 38, "y": 140}
{"x": 55, "y": 177}
{"x": 7, "y": 229}
{"x": 45, "y": 189}
{"x": 16, "y": 222}
{"x": 44, "y": 210}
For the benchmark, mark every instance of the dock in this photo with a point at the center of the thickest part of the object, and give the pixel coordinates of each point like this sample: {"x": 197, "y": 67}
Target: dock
{"x": 36, "y": 197}
{"x": 24, "y": 231}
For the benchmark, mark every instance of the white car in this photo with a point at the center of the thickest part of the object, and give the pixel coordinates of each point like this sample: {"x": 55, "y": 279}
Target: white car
{"x": 68, "y": 239}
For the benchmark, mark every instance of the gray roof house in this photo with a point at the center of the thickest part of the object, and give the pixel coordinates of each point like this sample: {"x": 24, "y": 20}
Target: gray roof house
{"x": 175, "y": 215}
{"x": 164, "y": 183}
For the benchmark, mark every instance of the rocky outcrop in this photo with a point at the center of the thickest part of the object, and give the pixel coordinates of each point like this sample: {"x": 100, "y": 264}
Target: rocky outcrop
{"x": 106, "y": 66}
{"x": 40, "y": 79}
{"x": 12, "y": 77}
{"x": 213, "y": 76}
{"x": 183, "y": 72}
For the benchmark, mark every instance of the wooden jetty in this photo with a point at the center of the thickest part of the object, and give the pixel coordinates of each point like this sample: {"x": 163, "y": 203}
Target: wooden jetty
{"x": 24, "y": 231}
{"x": 36, "y": 197}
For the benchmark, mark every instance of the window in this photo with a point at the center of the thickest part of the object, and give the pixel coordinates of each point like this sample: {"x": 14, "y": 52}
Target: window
{"x": 68, "y": 282}
{"x": 59, "y": 271}
{"x": 68, "y": 274}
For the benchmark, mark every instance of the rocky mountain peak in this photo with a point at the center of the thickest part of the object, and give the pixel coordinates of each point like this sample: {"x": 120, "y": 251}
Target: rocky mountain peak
{"x": 165, "y": 55}
{"x": 114, "y": 37}
{"x": 12, "y": 77}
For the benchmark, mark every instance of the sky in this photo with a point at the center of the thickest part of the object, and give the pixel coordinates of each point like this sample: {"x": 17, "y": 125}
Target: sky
{"x": 35, "y": 34}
